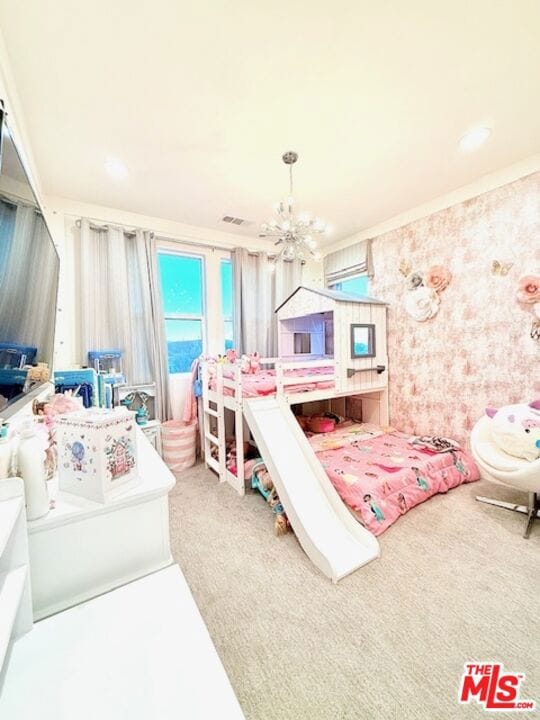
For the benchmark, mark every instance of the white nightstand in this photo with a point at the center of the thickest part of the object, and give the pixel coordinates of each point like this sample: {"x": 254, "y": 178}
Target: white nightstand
{"x": 152, "y": 430}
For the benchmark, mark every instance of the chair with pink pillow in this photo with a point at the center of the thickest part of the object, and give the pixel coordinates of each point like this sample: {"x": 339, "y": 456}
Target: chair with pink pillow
{"x": 506, "y": 446}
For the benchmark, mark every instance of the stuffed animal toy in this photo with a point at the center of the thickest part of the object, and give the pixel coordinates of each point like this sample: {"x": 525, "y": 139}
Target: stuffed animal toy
{"x": 515, "y": 429}
{"x": 231, "y": 355}
{"x": 249, "y": 364}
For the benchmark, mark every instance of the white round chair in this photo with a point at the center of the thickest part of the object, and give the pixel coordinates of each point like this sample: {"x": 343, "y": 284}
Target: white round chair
{"x": 504, "y": 469}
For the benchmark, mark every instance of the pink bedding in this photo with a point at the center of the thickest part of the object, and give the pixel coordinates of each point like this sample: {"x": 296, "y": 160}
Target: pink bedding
{"x": 263, "y": 382}
{"x": 382, "y": 476}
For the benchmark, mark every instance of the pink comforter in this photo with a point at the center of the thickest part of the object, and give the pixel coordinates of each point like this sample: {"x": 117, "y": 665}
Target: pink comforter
{"x": 383, "y": 477}
{"x": 263, "y": 382}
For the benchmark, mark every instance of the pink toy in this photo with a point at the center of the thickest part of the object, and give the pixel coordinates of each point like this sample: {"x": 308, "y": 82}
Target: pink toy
{"x": 231, "y": 355}
{"x": 321, "y": 424}
{"x": 249, "y": 364}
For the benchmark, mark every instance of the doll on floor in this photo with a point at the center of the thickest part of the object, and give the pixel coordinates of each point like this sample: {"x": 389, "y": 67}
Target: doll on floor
{"x": 261, "y": 481}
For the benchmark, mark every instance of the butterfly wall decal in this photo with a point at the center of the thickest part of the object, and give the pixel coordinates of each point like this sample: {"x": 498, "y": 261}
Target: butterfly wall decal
{"x": 405, "y": 267}
{"x": 500, "y": 268}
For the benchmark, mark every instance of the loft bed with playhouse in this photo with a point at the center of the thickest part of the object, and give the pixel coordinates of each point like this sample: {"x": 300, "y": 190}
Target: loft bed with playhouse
{"x": 310, "y": 430}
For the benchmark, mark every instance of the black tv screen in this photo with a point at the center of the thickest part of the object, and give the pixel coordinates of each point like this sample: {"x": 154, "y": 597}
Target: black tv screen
{"x": 29, "y": 268}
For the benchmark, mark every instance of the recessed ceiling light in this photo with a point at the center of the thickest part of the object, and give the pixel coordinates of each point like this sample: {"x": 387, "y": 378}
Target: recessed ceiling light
{"x": 474, "y": 138}
{"x": 116, "y": 168}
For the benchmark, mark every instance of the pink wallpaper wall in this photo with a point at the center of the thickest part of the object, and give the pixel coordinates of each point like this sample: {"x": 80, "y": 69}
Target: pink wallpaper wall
{"x": 476, "y": 351}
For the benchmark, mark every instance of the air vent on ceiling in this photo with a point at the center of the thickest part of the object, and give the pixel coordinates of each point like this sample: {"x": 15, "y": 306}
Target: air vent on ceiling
{"x": 235, "y": 220}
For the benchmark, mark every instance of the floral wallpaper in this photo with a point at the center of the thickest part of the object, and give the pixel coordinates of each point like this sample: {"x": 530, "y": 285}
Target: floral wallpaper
{"x": 477, "y": 350}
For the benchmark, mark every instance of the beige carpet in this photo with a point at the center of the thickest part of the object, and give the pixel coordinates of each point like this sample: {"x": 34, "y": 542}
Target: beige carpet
{"x": 455, "y": 582}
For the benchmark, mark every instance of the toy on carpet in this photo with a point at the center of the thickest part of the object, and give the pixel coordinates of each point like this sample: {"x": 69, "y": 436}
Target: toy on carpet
{"x": 516, "y": 429}
{"x": 261, "y": 481}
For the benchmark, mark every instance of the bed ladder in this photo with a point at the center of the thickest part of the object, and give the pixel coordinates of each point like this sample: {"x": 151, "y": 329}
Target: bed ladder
{"x": 211, "y": 440}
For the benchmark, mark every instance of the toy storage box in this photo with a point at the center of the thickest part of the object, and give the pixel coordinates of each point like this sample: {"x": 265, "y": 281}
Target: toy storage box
{"x": 97, "y": 453}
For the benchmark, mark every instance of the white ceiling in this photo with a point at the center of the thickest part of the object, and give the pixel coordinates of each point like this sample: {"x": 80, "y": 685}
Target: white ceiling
{"x": 200, "y": 99}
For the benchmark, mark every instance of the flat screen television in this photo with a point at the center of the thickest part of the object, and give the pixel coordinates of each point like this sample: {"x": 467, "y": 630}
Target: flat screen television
{"x": 29, "y": 268}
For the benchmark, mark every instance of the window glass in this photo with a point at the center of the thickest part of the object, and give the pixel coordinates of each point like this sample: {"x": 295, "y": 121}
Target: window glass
{"x": 184, "y": 343}
{"x": 181, "y": 284}
{"x": 355, "y": 286}
{"x": 181, "y": 278}
{"x": 227, "y": 302}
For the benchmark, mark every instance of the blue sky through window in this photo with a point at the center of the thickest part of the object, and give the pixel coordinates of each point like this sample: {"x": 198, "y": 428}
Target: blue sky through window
{"x": 181, "y": 284}
{"x": 227, "y": 302}
{"x": 226, "y": 288}
{"x": 181, "y": 278}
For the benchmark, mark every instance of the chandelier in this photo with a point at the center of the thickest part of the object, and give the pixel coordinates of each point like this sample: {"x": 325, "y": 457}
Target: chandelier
{"x": 294, "y": 233}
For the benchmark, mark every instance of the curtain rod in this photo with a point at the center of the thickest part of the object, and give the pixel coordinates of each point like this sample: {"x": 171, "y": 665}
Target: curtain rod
{"x": 99, "y": 224}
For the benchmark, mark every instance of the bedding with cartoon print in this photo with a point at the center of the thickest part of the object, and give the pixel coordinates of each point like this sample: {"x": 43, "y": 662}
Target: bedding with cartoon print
{"x": 382, "y": 475}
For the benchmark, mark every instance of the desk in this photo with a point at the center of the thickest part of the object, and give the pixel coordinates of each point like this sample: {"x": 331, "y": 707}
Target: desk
{"x": 141, "y": 652}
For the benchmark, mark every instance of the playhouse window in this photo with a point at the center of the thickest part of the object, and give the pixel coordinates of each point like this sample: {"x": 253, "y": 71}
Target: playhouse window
{"x": 302, "y": 343}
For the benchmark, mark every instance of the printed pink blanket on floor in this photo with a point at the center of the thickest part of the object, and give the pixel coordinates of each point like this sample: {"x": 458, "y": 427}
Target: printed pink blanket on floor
{"x": 383, "y": 477}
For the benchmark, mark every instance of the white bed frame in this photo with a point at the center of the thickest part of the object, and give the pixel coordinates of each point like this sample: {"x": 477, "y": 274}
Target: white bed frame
{"x": 374, "y": 405}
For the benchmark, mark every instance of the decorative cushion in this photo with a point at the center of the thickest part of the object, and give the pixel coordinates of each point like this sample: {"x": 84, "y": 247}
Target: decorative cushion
{"x": 515, "y": 429}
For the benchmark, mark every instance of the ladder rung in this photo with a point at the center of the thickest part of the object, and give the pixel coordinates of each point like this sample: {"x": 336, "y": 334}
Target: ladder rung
{"x": 213, "y": 463}
{"x": 213, "y": 413}
{"x": 212, "y": 438}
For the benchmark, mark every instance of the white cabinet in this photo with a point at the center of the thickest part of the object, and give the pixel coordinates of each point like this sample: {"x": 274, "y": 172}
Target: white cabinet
{"x": 15, "y": 596}
{"x": 83, "y": 548}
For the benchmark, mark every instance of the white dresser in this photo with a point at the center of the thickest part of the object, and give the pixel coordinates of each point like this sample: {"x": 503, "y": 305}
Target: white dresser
{"x": 82, "y": 548}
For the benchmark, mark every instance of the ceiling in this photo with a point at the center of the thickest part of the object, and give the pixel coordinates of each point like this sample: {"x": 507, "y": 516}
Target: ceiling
{"x": 200, "y": 99}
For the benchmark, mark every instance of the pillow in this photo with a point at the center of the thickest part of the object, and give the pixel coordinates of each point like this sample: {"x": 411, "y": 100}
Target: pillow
{"x": 321, "y": 424}
{"x": 515, "y": 429}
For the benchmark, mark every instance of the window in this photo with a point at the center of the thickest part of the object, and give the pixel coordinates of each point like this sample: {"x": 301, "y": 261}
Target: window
{"x": 302, "y": 343}
{"x": 355, "y": 286}
{"x": 181, "y": 278}
{"x": 227, "y": 302}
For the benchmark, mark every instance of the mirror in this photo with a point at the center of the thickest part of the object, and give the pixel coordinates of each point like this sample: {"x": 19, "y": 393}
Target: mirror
{"x": 362, "y": 340}
{"x": 29, "y": 267}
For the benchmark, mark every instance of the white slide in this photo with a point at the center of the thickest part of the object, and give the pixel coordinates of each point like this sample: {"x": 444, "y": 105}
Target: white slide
{"x": 333, "y": 540}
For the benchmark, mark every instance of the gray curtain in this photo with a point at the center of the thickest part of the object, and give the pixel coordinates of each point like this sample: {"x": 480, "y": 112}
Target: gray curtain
{"x": 260, "y": 285}
{"x": 26, "y": 318}
{"x": 159, "y": 344}
{"x": 119, "y": 305}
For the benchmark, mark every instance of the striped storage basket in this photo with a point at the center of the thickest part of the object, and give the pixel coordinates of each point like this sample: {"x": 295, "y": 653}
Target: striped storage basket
{"x": 179, "y": 444}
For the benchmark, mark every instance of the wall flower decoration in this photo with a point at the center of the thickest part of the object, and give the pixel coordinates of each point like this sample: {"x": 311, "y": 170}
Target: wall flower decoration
{"x": 529, "y": 289}
{"x": 438, "y": 278}
{"x": 415, "y": 280}
{"x": 528, "y": 294}
{"x": 422, "y": 300}
{"x": 422, "y": 303}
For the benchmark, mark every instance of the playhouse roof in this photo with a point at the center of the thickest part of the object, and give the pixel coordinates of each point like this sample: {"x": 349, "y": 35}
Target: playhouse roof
{"x": 336, "y": 295}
